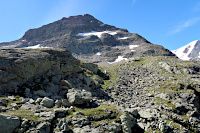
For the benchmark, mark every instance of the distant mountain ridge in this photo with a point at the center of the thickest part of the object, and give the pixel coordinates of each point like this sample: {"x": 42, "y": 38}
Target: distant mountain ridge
{"x": 190, "y": 51}
{"x": 90, "y": 39}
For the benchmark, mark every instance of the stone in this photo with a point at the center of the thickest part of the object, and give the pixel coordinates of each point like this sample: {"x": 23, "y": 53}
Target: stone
{"x": 79, "y": 97}
{"x": 47, "y": 102}
{"x": 8, "y": 123}
{"x": 86, "y": 129}
{"x": 28, "y": 106}
{"x": 38, "y": 100}
{"x": 146, "y": 113}
{"x": 90, "y": 66}
{"x": 52, "y": 89}
{"x": 166, "y": 66}
{"x": 65, "y": 103}
{"x": 58, "y": 103}
{"x": 61, "y": 112}
{"x": 63, "y": 125}
{"x": 14, "y": 105}
{"x": 48, "y": 115}
{"x": 79, "y": 122}
{"x": 43, "y": 127}
{"x": 127, "y": 121}
{"x": 65, "y": 83}
{"x": 3, "y": 102}
{"x": 12, "y": 98}
{"x": 113, "y": 127}
{"x": 55, "y": 80}
{"x": 40, "y": 93}
{"x": 31, "y": 101}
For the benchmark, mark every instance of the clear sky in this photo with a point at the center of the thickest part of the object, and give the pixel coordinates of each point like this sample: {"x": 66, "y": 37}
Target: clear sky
{"x": 170, "y": 23}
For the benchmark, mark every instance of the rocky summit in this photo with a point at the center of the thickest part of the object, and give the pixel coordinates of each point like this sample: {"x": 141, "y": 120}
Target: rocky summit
{"x": 45, "y": 88}
{"x": 90, "y": 39}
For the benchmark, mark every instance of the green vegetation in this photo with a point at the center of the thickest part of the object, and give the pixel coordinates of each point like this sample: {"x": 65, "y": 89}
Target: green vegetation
{"x": 28, "y": 114}
{"x": 102, "y": 114}
{"x": 164, "y": 102}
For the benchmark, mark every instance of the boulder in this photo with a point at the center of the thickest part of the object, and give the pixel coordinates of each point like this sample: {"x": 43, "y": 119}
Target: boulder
{"x": 79, "y": 97}
{"x": 43, "y": 127}
{"x": 40, "y": 93}
{"x": 47, "y": 102}
{"x": 65, "y": 83}
{"x": 145, "y": 113}
{"x": 90, "y": 66}
{"x": 127, "y": 122}
{"x": 65, "y": 103}
{"x": 63, "y": 125}
{"x": 8, "y": 123}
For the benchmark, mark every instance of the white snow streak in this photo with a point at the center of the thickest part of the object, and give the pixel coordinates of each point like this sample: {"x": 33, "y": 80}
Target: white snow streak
{"x": 123, "y": 38}
{"x": 98, "y": 33}
{"x": 120, "y": 58}
{"x": 133, "y": 46}
{"x": 36, "y": 46}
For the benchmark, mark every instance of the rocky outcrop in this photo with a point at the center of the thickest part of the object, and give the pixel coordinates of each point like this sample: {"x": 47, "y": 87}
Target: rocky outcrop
{"x": 20, "y": 66}
{"x": 8, "y": 123}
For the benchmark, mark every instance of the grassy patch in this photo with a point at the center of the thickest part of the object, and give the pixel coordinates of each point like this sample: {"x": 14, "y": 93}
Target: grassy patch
{"x": 28, "y": 114}
{"x": 164, "y": 102}
{"x": 100, "y": 112}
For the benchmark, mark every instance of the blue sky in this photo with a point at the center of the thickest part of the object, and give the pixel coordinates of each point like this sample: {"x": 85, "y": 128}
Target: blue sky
{"x": 170, "y": 23}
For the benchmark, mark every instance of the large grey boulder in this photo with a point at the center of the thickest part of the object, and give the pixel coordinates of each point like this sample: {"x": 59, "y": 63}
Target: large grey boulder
{"x": 166, "y": 66}
{"x": 43, "y": 127}
{"x": 47, "y": 102}
{"x": 79, "y": 97}
{"x": 127, "y": 122}
{"x": 8, "y": 123}
{"x": 63, "y": 125}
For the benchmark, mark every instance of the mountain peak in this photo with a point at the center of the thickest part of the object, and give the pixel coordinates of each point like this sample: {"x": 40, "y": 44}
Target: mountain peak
{"x": 85, "y": 36}
{"x": 189, "y": 51}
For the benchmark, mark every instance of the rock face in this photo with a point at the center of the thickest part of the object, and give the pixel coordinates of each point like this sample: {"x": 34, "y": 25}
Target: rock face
{"x": 90, "y": 39}
{"x": 22, "y": 65}
{"x": 8, "y": 123}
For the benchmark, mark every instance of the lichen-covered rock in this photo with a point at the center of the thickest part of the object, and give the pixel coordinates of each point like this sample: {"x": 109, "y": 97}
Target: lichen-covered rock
{"x": 128, "y": 122}
{"x": 76, "y": 96}
{"x": 8, "y": 123}
{"x": 21, "y": 65}
{"x": 47, "y": 102}
{"x": 43, "y": 127}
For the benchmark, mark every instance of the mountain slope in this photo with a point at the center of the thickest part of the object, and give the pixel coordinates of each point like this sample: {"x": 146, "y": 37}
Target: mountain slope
{"x": 85, "y": 36}
{"x": 188, "y": 51}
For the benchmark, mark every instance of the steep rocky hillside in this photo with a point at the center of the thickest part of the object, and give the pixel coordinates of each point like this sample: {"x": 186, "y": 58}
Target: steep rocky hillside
{"x": 162, "y": 93}
{"x": 48, "y": 90}
{"x": 89, "y": 39}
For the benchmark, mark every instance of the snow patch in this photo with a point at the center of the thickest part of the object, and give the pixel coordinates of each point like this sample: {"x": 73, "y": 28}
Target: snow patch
{"x": 123, "y": 38}
{"x": 99, "y": 34}
{"x": 183, "y": 52}
{"x": 98, "y": 53}
{"x": 36, "y": 46}
{"x": 133, "y": 46}
{"x": 120, "y": 58}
